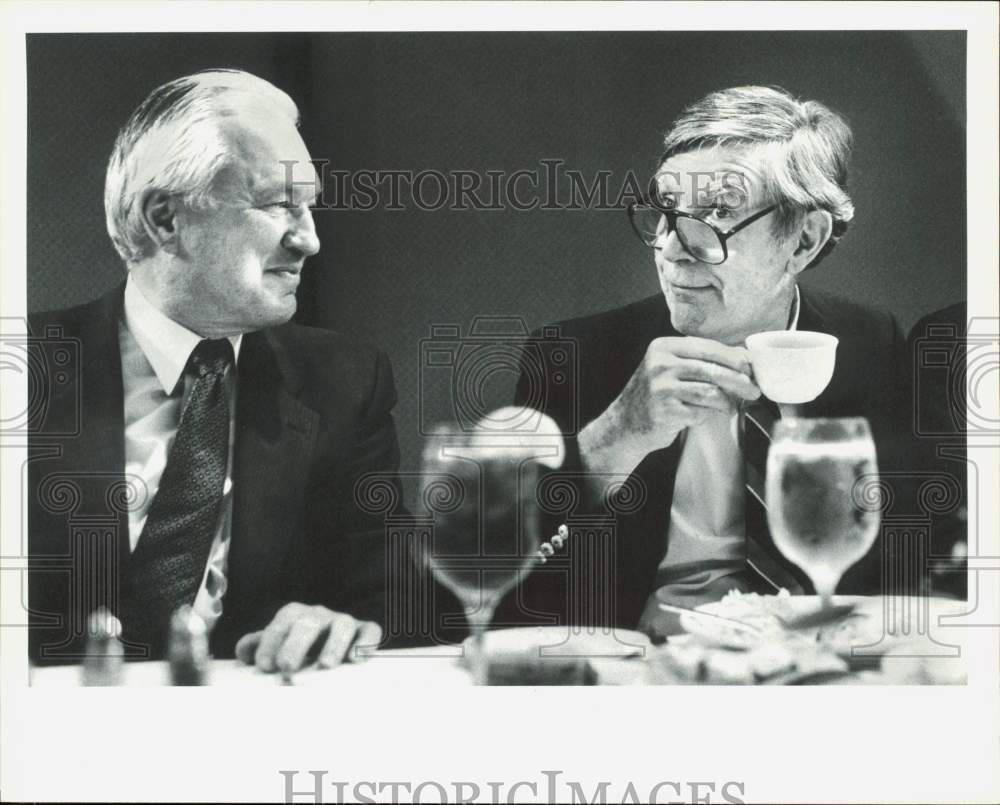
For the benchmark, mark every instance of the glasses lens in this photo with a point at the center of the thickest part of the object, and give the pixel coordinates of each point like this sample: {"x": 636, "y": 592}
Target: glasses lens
{"x": 700, "y": 240}
{"x": 649, "y": 224}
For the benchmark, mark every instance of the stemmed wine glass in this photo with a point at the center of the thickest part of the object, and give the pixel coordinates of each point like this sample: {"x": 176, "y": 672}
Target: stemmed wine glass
{"x": 819, "y": 507}
{"x": 486, "y": 524}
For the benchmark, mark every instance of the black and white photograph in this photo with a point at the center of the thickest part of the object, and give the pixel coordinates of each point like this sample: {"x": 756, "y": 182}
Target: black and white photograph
{"x": 500, "y": 402}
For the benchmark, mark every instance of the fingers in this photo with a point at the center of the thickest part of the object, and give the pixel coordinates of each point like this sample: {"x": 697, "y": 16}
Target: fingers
{"x": 350, "y": 640}
{"x": 298, "y": 631}
{"x": 274, "y": 635}
{"x": 705, "y": 361}
{"x": 369, "y": 637}
{"x": 728, "y": 380}
{"x": 301, "y": 637}
{"x": 342, "y": 633}
{"x": 704, "y": 349}
{"x": 703, "y": 395}
{"x": 691, "y": 403}
{"x": 246, "y": 647}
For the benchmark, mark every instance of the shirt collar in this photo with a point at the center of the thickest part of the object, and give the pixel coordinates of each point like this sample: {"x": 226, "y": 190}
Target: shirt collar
{"x": 166, "y": 344}
{"x": 793, "y": 321}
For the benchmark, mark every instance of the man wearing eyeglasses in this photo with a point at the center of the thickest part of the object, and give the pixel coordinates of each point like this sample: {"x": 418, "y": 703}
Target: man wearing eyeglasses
{"x": 750, "y": 192}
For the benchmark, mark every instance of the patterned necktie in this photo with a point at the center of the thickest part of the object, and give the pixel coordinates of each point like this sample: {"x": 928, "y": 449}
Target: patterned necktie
{"x": 166, "y": 569}
{"x": 763, "y": 557}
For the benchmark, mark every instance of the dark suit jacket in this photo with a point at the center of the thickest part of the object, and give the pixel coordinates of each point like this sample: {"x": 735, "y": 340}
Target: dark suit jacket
{"x": 868, "y": 381}
{"x": 313, "y": 415}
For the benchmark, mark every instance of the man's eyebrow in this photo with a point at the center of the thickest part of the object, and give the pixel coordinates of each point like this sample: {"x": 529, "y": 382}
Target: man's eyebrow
{"x": 310, "y": 196}
{"x": 734, "y": 195}
{"x": 300, "y": 192}
{"x": 710, "y": 190}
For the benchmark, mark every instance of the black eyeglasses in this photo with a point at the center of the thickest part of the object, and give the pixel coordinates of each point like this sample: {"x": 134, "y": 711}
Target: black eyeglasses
{"x": 700, "y": 238}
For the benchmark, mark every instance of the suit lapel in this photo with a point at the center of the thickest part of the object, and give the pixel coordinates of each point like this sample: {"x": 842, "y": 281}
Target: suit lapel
{"x": 275, "y": 435}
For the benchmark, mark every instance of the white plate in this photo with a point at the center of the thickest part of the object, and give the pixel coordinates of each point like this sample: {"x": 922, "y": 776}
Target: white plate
{"x": 877, "y": 621}
{"x": 754, "y": 610}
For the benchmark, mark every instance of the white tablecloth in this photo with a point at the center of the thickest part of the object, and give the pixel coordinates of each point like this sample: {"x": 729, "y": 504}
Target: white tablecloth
{"x": 912, "y": 634}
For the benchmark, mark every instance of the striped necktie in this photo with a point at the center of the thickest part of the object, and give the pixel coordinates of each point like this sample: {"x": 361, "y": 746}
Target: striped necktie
{"x": 763, "y": 558}
{"x": 166, "y": 569}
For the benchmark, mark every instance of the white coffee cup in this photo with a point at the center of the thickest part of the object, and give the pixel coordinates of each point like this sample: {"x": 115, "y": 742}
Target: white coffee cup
{"x": 792, "y": 366}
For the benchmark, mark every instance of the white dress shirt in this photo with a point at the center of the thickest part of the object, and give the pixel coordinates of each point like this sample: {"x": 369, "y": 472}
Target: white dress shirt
{"x": 707, "y": 532}
{"x": 155, "y": 351}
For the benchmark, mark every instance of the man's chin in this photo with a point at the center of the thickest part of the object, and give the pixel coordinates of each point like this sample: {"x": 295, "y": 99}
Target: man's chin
{"x": 280, "y": 311}
{"x": 283, "y": 318}
{"x": 687, "y": 321}
{"x": 695, "y": 321}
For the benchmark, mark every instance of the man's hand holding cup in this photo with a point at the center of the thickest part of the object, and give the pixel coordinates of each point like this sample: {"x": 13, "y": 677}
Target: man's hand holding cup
{"x": 680, "y": 382}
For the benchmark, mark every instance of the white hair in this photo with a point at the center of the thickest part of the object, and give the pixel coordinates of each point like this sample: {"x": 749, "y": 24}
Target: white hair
{"x": 802, "y": 148}
{"x": 173, "y": 142}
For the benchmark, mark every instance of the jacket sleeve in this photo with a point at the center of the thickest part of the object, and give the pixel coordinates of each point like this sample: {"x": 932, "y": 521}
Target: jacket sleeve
{"x": 363, "y": 540}
{"x": 603, "y": 574}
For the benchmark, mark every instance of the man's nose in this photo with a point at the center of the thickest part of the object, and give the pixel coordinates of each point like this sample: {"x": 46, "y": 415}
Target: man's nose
{"x": 301, "y": 235}
{"x": 672, "y": 249}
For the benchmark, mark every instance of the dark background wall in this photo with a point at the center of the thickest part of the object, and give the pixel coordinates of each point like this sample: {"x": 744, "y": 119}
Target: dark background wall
{"x": 504, "y": 101}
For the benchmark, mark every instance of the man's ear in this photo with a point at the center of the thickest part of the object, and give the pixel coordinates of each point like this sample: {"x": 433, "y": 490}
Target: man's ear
{"x": 159, "y": 217}
{"x": 817, "y": 225}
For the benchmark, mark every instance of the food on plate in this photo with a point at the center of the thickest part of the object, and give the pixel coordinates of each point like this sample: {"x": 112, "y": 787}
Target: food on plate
{"x": 697, "y": 662}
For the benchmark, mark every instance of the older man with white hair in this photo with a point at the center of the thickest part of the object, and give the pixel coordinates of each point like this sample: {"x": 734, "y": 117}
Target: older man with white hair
{"x": 218, "y": 444}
